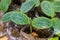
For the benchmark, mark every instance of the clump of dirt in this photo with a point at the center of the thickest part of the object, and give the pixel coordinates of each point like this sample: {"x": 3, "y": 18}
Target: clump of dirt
{"x": 15, "y": 32}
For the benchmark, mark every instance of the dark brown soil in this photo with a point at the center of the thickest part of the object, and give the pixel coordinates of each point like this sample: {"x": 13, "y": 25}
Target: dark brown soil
{"x": 43, "y": 33}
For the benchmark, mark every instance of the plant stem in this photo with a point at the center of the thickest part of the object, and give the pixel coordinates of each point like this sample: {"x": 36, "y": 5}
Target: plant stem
{"x": 30, "y": 26}
{"x": 30, "y": 29}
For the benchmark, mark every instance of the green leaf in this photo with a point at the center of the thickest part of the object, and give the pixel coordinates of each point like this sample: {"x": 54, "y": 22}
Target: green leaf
{"x": 19, "y": 18}
{"x": 37, "y": 3}
{"x": 56, "y": 25}
{"x": 4, "y": 4}
{"x": 55, "y": 38}
{"x": 25, "y": 7}
{"x": 47, "y": 8}
{"x": 41, "y": 23}
{"x": 6, "y": 17}
{"x": 56, "y": 6}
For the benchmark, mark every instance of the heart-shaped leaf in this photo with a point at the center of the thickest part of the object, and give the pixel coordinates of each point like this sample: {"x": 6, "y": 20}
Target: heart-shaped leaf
{"x": 19, "y": 18}
{"x": 56, "y": 6}
{"x": 4, "y": 4}
{"x": 41, "y": 23}
{"x": 25, "y": 7}
{"x": 56, "y": 25}
{"x": 47, "y": 8}
{"x": 6, "y": 17}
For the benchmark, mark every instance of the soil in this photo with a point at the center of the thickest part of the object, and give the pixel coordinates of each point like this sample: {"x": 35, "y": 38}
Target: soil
{"x": 36, "y": 34}
{"x": 2, "y": 28}
{"x": 13, "y": 30}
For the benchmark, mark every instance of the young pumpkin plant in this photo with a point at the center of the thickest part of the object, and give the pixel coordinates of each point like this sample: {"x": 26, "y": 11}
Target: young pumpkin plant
{"x": 43, "y": 22}
{"x": 16, "y": 17}
{"x": 48, "y": 8}
{"x": 40, "y": 22}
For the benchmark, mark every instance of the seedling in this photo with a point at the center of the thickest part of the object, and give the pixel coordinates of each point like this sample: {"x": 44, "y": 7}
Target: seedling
{"x": 16, "y": 17}
{"x": 42, "y": 22}
{"x": 48, "y": 8}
